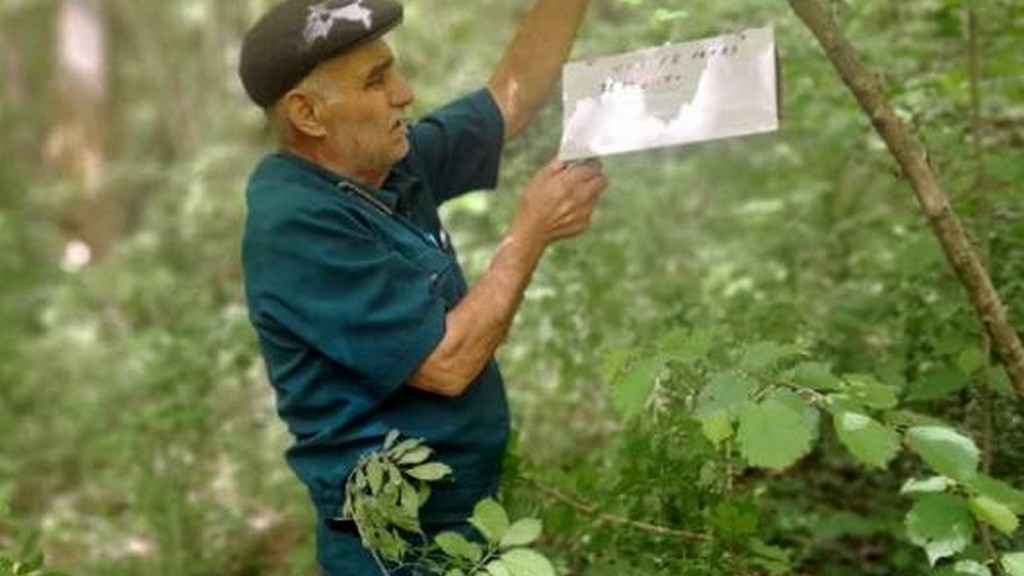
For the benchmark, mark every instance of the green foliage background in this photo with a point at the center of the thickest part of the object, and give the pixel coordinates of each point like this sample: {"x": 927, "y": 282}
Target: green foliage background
{"x": 138, "y": 436}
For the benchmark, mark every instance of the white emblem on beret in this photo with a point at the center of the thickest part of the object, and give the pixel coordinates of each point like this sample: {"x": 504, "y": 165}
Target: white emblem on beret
{"x": 322, "y": 18}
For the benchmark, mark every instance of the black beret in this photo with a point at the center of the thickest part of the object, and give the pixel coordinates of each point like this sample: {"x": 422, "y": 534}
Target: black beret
{"x": 290, "y": 40}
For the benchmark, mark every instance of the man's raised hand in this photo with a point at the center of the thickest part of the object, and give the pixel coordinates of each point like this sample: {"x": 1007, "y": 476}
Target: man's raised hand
{"x": 559, "y": 200}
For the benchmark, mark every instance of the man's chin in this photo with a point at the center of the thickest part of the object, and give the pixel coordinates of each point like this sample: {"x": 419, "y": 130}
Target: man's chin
{"x": 401, "y": 151}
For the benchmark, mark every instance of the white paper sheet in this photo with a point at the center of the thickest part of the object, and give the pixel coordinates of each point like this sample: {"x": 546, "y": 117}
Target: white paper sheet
{"x": 673, "y": 94}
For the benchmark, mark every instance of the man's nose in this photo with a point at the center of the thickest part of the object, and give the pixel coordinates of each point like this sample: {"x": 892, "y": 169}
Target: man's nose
{"x": 402, "y": 95}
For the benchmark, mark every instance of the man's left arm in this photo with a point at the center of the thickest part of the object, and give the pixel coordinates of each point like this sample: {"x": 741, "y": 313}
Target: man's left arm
{"x": 532, "y": 64}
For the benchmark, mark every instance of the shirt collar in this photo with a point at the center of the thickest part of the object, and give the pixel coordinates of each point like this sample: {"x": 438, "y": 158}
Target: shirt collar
{"x": 389, "y": 194}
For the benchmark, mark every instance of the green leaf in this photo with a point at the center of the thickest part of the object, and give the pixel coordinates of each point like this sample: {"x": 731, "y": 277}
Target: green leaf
{"x": 455, "y": 572}
{"x": 936, "y": 384}
{"x": 970, "y": 360}
{"x": 375, "y": 474}
{"x": 522, "y": 533}
{"x": 417, "y": 455}
{"x": 945, "y": 450}
{"x": 685, "y": 345}
{"x": 941, "y": 524}
{"x": 490, "y": 519}
{"x": 772, "y": 434}
{"x": 360, "y": 478}
{"x": 717, "y": 427}
{"x": 910, "y": 419}
{"x": 402, "y": 519}
{"x": 763, "y": 355}
{"x": 633, "y": 386}
{"x": 394, "y": 475}
{"x": 455, "y": 545}
{"x": 868, "y": 392}
{"x": 404, "y": 446}
{"x": 994, "y": 513}
{"x": 870, "y": 442}
{"x": 526, "y": 562}
{"x": 999, "y": 491}
{"x": 726, "y": 393}
{"x": 816, "y": 376}
{"x": 390, "y": 546}
{"x": 429, "y": 472}
{"x": 841, "y": 402}
{"x": 410, "y": 500}
{"x": 423, "y": 493}
{"x": 933, "y": 484}
{"x": 965, "y": 568}
{"x": 390, "y": 440}
{"x": 720, "y": 402}
{"x": 810, "y": 414}
{"x": 1013, "y": 563}
{"x": 496, "y": 568}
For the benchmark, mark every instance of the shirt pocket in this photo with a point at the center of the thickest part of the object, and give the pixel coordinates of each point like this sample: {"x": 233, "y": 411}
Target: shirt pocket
{"x": 443, "y": 277}
{"x": 443, "y": 274}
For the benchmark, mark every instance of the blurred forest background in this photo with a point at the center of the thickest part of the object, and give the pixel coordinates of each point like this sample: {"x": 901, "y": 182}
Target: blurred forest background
{"x": 138, "y": 435}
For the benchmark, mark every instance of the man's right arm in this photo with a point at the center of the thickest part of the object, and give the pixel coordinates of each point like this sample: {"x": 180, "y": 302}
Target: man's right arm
{"x": 557, "y": 203}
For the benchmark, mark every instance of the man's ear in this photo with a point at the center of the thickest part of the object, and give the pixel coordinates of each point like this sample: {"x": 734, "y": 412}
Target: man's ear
{"x": 302, "y": 109}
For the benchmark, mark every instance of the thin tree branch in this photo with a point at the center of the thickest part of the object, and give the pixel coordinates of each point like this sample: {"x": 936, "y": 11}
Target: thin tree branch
{"x": 595, "y": 512}
{"x": 913, "y": 158}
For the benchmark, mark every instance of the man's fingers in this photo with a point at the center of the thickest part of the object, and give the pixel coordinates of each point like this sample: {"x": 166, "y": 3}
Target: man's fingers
{"x": 579, "y": 173}
{"x": 555, "y": 166}
{"x": 595, "y": 181}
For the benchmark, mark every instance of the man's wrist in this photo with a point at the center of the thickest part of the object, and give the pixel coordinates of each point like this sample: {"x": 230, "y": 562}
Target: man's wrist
{"x": 524, "y": 242}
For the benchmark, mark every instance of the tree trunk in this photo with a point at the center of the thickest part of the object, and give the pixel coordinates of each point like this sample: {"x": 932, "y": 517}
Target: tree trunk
{"x": 77, "y": 144}
{"x": 913, "y": 158}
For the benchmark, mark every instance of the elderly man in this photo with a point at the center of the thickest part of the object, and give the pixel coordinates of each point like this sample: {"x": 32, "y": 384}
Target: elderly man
{"x": 363, "y": 315}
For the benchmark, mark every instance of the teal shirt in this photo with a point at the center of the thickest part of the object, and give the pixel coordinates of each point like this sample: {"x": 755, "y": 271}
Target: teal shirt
{"x": 349, "y": 300}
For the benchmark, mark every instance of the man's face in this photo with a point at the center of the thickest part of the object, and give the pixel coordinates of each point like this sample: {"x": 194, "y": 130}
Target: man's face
{"x": 364, "y": 100}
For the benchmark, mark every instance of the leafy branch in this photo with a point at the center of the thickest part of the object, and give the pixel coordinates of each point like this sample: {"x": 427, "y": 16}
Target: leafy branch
{"x": 505, "y": 550}
{"x": 384, "y": 493}
{"x": 768, "y": 403}
{"x": 383, "y": 496}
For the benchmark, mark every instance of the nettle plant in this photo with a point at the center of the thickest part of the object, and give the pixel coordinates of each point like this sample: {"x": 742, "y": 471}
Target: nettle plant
{"x": 763, "y": 404}
{"x": 383, "y": 496}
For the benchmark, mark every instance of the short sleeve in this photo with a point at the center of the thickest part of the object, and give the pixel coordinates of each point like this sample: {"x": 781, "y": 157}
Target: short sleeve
{"x": 459, "y": 145}
{"x": 324, "y": 277}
